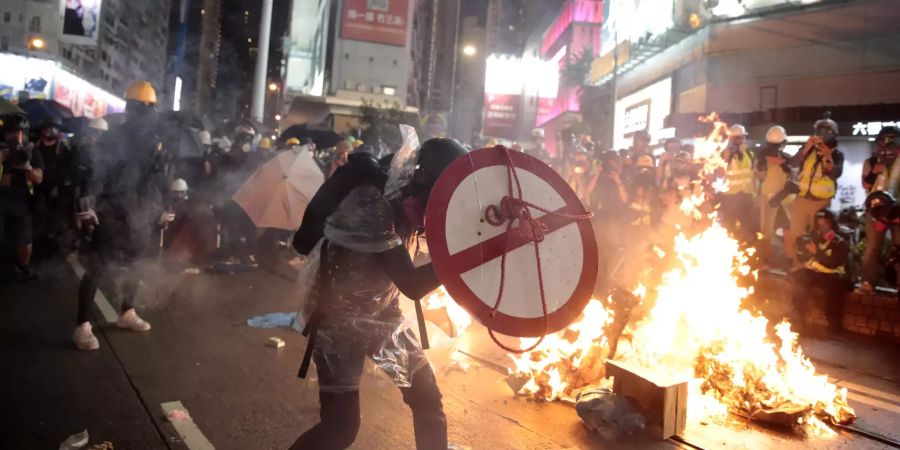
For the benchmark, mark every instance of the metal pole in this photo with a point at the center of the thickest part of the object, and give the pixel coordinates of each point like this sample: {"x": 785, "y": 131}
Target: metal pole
{"x": 614, "y": 88}
{"x": 262, "y": 62}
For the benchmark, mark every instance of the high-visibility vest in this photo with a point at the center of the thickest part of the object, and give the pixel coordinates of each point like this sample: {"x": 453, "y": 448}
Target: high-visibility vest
{"x": 642, "y": 211}
{"x": 739, "y": 174}
{"x": 813, "y": 181}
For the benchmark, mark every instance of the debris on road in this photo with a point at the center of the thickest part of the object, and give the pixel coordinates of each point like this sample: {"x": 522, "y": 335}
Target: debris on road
{"x": 105, "y": 445}
{"x": 273, "y": 320}
{"x": 192, "y": 271}
{"x": 75, "y": 441}
{"x": 177, "y": 415}
{"x": 275, "y": 342}
{"x": 609, "y": 414}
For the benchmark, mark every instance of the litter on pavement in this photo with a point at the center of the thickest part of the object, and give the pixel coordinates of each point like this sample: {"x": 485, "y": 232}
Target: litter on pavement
{"x": 75, "y": 441}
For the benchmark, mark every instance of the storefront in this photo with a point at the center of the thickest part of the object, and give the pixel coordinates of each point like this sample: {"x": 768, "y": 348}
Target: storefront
{"x": 23, "y": 78}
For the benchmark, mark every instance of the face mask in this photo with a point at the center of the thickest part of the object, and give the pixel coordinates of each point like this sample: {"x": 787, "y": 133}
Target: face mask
{"x": 414, "y": 209}
{"x": 245, "y": 147}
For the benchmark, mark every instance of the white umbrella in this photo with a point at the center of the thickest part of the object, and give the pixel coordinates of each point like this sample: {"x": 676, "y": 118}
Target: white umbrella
{"x": 279, "y": 191}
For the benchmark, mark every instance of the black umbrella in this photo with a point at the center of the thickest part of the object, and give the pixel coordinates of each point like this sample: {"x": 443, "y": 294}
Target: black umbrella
{"x": 188, "y": 118}
{"x": 39, "y": 110}
{"x": 322, "y": 138}
{"x": 7, "y": 107}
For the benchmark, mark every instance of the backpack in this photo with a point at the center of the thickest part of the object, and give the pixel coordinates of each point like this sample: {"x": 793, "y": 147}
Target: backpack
{"x": 362, "y": 169}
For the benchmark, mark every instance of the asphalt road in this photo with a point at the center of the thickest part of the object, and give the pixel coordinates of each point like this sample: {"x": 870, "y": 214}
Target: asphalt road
{"x": 242, "y": 394}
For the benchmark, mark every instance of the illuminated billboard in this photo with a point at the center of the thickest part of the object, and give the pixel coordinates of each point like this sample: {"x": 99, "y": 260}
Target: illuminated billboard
{"x": 40, "y": 78}
{"x": 644, "y": 110}
{"x": 378, "y": 21}
{"x": 80, "y": 21}
{"x": 504, "y": 83}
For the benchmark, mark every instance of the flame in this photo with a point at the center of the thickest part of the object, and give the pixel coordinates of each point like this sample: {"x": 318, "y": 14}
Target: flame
{"x": 697, "y": 329}
{"x": 451, "y": 317}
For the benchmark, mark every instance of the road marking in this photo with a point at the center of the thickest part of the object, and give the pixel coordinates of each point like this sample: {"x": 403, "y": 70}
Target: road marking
{"x": 106, "y": 309}
{"x": 191, "y": 435}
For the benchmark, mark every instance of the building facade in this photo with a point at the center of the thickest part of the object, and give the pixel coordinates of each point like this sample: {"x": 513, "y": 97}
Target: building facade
{"x": 130, "y": 42}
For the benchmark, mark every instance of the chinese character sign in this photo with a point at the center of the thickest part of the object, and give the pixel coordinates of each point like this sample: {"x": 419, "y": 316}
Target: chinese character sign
{"x": 871, "y": 128}
{"x": 378, "y": 21}
{"x": 501, "y": 115}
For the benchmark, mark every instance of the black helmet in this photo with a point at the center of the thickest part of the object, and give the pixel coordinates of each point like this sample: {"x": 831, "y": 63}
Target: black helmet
{"x": 826, "y": 214}
{"x": 437, "y": 153}
{"x": 51, "y": 122}
{"x": 879, "y": 205}
{"x": 14, "y": 122}
{"x": 886, "y": 131}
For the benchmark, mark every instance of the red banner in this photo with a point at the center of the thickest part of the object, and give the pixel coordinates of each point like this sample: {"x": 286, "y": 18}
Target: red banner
{"x": 378, "y": 21}
{"x": 501, "y": 115}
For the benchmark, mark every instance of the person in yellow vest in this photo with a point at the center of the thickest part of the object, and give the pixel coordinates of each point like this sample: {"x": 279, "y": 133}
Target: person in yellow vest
{"x": 820, "y": 165}
{"x": 824, "y": 266}
{"x": 880, "y": 173}
{"x": 737, "y": 207}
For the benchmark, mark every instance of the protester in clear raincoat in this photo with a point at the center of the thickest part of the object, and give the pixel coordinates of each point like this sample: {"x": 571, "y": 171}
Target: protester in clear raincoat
{"x": 360, "y": 268}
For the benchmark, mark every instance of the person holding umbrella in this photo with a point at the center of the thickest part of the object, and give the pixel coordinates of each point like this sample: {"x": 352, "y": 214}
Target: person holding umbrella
{"x": 56, "y": 190}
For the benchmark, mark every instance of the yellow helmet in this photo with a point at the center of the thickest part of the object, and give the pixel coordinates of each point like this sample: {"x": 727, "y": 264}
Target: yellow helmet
{"x": 141, "y": 91}
{"x": 265, "y": 143}
{"x": 292, "y": 142}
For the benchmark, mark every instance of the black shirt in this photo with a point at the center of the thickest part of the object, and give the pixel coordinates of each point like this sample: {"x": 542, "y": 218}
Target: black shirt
{"x": 15, "y": 191}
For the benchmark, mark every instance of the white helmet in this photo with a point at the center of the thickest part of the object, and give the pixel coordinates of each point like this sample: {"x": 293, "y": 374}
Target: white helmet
{"x": 737, "y": 130}
{"x": 776, "y": 135}
{"x": 179, "y": 185}
{"x": 98, "y": 124}
{"x": 205, "y": 137}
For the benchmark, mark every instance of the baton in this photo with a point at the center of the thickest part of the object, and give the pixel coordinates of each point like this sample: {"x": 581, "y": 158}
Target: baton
{"x": 420, "y": 317}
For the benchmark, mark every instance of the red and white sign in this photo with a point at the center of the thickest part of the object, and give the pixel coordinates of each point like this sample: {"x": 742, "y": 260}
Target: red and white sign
{"x": 501, "y": 115}
{"x": 378, "y": 21}
{"x": 466, "y": 250}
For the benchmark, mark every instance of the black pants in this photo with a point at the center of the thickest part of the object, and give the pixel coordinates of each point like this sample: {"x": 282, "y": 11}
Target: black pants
{"x": 340, "y": 417}
{"x": 96, "y": 277}
{"x": 835, "y": 287}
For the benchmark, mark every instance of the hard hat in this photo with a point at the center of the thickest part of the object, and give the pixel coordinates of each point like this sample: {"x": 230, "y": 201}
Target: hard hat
{"x": 826, "y": 122}
{"x": 357, "y": 143}
{"x": 141, "y": 91}
{"x": 51, "y": 122}
{"x": 179, "y": 185}
{"x": 14, "y": 122}
{"x": 292, "y": 142}
{"x": 205, "y": 137}
{"x": 437, "y": 153}
{"x": 265, "y": 143}
{"x": 826, "y": 214}
{"x": 737, "y": 130}
{"x": 245, "y": 129}
{"x": 99, "y": 124}
{"x": 776, "y": 135}
{"x": 644, "y": 162}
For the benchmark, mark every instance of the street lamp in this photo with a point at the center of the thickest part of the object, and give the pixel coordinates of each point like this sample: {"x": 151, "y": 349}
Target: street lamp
{"x": 36, "y": 43}
{"x": 469, "y": 50}
{"x": 273, "y": 86}
{"x": 277, "y": 117}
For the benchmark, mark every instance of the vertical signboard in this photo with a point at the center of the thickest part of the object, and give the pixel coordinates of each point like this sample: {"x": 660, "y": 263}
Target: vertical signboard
{"x": 377, "y": 21}
{"x": 80, "y": 21}
{"x": 504, "y": 83}
{"x": 644, "y": 110}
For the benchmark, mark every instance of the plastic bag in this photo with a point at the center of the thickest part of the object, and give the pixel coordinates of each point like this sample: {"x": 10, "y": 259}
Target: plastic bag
{"x": 404, "y": 164}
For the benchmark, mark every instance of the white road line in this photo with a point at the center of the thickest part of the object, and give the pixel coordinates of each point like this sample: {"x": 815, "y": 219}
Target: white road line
{"x": 109, "y": 313}
{"x": 191, "y": 435}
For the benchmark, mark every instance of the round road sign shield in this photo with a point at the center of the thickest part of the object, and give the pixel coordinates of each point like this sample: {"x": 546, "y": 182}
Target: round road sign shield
{"x": 466, "y": 249}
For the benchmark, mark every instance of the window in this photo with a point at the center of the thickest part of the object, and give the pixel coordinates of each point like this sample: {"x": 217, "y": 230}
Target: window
{"x": 7, "y": 16}
{"x": 4, "y": 43}
{"x": 35, "y": 25}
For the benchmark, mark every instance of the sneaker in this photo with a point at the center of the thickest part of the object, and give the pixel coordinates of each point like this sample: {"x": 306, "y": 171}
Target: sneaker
{"x": 865, "y": 288}
{"x": 130, "y": 320}
{"x": 84, "y": 338}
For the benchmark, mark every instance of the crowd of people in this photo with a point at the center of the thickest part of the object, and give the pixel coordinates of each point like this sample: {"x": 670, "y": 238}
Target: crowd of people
{"x": 112, "y": 194}
{"x": 776, "y": 202}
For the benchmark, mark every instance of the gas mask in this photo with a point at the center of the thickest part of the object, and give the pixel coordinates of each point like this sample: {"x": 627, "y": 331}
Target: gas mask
{"x": 245, "y": 147}
{"x": 826, "y": 133}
